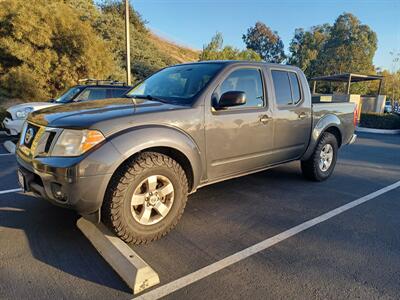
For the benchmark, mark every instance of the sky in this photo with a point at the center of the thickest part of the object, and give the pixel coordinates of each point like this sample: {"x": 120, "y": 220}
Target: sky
{"x": 193, "y": 22}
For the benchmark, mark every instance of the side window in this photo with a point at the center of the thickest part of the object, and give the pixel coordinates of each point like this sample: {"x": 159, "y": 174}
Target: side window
{"x": 294, "y": 82}
{"x": 287, "y": 88}
{"x": 283, "y": 94}
{"x": 83, "y": 96}
{"x": 93, "y": 94}
{"x": 115, "y": 93}
{"x": 245, "y": 80}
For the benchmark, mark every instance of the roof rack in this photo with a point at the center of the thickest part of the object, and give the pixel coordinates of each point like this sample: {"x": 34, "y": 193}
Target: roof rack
{"x": 88, "y": 81}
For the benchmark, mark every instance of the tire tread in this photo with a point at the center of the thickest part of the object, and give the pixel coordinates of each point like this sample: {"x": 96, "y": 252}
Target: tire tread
{"x": 112, "y": 209}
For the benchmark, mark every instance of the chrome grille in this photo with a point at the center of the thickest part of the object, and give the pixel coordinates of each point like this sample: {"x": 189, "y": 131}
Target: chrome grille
{"x": 36, "y": 140}
{"x": 30, "y": 135}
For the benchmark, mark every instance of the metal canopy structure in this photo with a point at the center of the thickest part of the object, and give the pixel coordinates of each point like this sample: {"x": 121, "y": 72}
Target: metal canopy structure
{"x": 349, "y": 78}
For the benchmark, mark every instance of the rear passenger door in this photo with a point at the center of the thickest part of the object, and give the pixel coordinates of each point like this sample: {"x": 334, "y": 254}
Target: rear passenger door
{"x": 292, "y": 114}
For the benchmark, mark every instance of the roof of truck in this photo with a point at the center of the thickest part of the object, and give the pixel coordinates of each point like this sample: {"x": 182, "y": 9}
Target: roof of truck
{"x": 127, "y": 87}
{"x": 239, "y": 62}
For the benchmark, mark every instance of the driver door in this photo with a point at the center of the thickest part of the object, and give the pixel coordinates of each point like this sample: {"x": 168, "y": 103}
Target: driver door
{"x": 239, "y": 139}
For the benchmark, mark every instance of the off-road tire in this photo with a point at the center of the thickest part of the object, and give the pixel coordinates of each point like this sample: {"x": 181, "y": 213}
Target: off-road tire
{"x": 116, "y": 210}
{"x": 310, "y": 167}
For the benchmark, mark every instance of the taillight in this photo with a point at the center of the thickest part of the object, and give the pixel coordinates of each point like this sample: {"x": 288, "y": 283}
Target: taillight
{"x": 355, "y": 116}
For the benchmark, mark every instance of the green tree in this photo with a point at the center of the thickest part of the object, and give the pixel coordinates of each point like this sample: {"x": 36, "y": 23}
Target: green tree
{"x": 265, "y": 42}
{"x": 86, "y": 9}
{"x": 117, "y": 7}
{"x": 216, "y": 51}
{"x": 46, "y": 47}
{"x": 391, "y": 84}
{"x": 306, "y": 46}
{"x": 350, "y": 48}
{"x": 345, "y": 47}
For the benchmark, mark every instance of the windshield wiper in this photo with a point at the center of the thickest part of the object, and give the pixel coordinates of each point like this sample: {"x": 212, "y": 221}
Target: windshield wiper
{"x": 149, "y": 97}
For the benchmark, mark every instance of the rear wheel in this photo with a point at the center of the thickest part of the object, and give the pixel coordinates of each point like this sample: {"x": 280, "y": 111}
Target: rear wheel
{"x": 322, "y": 162}
{"x": 146, "y": 198}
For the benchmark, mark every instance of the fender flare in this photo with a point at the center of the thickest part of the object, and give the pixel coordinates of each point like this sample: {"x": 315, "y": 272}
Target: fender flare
{"x": 140, "y": 138}
{"x": 327, "y": 121}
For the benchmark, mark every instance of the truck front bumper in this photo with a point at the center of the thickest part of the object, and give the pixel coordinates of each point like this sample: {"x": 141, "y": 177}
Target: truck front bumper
{"x": 78, "y": 183}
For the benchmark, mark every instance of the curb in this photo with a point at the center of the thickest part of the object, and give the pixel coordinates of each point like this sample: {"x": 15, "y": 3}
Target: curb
{"x": 380, "y": 131}
{"x": 136, "y": 273}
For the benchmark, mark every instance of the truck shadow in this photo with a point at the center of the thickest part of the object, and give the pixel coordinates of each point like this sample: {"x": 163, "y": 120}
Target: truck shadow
{"x": 54, "y": 239}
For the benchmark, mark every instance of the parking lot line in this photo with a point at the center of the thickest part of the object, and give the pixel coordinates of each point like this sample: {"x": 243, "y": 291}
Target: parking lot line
{"x": 10, "y": 191}
{"x": 6, "y": 154}
{"x": 186, "y": 280}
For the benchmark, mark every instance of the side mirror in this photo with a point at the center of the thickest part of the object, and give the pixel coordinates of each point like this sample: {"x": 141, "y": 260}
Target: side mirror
{"x": 232, "y": 98}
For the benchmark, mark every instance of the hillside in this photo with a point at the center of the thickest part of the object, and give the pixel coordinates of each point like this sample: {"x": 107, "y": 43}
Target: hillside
{"x": 81, "y": 39}
{"x": 175, "y": 51}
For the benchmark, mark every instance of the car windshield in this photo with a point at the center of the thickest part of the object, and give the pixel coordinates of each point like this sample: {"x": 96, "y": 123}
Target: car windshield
{"x": 178, "y": 84}
{"x": 68, "y": 95}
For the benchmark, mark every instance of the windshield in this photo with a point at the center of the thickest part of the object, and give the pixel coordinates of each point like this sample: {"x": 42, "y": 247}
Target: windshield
{"x": 176, "y": 84}
{"x": 68, "y": 95}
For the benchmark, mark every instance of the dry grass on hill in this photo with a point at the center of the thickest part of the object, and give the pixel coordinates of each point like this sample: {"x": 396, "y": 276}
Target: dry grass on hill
{"x": 180, "y": 53}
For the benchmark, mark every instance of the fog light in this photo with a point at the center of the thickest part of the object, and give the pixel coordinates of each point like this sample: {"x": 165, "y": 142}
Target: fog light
{"x": 57, "y": 192}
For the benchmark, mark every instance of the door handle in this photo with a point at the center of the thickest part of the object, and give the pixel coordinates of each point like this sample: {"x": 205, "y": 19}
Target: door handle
{"x": 264, "y": 119}
{"x": 302, "y": 115}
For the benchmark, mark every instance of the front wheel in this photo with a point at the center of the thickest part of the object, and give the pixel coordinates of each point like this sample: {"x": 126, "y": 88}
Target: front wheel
{"x": 146, "y": 198}
{"x": 323, "y": 160}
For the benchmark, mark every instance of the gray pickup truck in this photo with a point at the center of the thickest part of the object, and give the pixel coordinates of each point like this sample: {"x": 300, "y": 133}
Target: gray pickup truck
{"x": 131, "y": 162}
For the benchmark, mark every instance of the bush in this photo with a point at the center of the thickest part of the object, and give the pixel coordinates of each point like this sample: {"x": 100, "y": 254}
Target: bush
{"x": 2, "y": 114}
{"x": 380, "y": 121}
{"x": 46, "y": 47}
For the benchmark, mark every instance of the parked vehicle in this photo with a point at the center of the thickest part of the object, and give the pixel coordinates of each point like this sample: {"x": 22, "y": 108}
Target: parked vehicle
{"x": 388, "y": 107}
{"x": 132, "y": 162}
{"x": 89, "y": 89}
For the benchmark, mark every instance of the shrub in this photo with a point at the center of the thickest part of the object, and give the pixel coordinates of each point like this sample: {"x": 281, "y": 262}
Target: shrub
{"x": 45, "y": 48}
{"x": 2, "y": 114}
{"x": 380, "y": 121}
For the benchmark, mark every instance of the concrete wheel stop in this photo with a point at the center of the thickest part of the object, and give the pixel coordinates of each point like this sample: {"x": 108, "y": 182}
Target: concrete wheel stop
{"x": 136, "y": 273}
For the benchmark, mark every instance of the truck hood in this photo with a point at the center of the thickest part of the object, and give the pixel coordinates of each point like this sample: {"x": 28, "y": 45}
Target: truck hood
{"x": 86, "y": 114}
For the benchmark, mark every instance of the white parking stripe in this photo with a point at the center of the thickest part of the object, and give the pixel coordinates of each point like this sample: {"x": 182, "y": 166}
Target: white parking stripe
{"x": 6, "y": 154}
{"x": 184, "y": 281}
{"x": 10, "y": 191}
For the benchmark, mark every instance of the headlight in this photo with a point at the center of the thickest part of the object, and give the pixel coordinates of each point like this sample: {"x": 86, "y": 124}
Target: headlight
{"x": 76, "y": 142}
{"x": 23, "y": 113}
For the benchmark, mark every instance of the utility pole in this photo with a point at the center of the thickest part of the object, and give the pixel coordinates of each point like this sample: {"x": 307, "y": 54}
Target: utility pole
{"x": 128, "y": 48}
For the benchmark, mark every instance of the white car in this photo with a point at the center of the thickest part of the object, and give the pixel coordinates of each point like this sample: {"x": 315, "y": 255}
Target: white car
{"x": 96, "y": 89}
{"x": 17, "y": 114}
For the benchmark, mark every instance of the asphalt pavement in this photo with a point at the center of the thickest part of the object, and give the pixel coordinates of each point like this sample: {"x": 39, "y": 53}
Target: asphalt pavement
{"x": 355, "y": 254}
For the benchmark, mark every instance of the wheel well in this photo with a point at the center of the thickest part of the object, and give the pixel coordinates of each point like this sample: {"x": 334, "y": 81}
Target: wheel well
{"x": 336, "y": 132}
{"x": 176, "y": 155}
{"x": 180, "y": 158}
